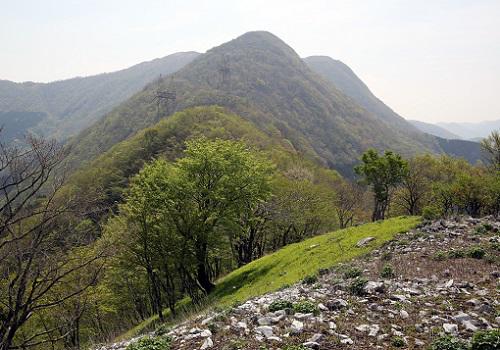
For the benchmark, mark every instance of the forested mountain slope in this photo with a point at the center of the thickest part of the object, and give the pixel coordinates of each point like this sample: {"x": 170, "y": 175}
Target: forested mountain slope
{"x": 260, "y": 78}
{"x": 350, "y": 84}
{"x": 103, "y": 182}
{"x": 63, "y": 108}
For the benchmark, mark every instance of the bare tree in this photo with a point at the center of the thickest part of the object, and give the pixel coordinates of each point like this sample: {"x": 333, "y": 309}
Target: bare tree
{"x": 36, "y": 243}
{"x": 347, "y": 199}
{"x": 415, "y": 185}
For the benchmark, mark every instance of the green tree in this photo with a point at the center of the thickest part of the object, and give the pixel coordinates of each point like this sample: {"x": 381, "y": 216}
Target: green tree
{"x": 199, "y": 199}
{"x": 491, "y": 148}
{"x": 382, "y": 173}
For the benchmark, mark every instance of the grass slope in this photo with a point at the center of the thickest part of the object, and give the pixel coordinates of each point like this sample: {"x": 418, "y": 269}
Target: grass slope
{"x": 296, "y": 261}
{"x": 292, "y": 263}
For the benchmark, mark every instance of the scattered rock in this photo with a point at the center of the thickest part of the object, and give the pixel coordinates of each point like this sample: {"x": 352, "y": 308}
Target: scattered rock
{"x": 364, "y": 241}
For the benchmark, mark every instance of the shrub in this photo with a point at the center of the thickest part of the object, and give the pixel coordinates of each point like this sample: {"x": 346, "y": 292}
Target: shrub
{"x": 456, "y": 254}
{"x": 162, "y": 330}
{"x": 305, "y": 307}
{"x": 448, "y": 343}
{"x": 495, "y": 246}
{"x": 486, "y": 340}
{"x": 357, "y": 286}
{"x": 440, "y": 255}
{"x": 311, "y": 279}
{"x": 485, "y": 228}
{"x": 476, "y": 252}
{"x": 431, "y": 213}
{"x": 398, "y": 342}
{"x": 352, "y": 272}
{"x": 280, "y": 305}
{"x": 151, "y": 343}
{"x": 488, "y": 227}
{"x": 387, "y": 271}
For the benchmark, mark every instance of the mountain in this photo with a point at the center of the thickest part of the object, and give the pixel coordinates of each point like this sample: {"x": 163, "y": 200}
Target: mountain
{"x": 262, "y": 79}
{"x": 343, "y": 77}
{"x": 472, "y": 130}
{"x": 65, "y": 107}
{"x": 350, "y": 84}
{"x": 107, "y": 176}
{"x": 434, "y": 129}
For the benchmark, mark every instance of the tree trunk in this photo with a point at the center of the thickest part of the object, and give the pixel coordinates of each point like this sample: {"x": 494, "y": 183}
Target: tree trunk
{"x": 203, "y": 278}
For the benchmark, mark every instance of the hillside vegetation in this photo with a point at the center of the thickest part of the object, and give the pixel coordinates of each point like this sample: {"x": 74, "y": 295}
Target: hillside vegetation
{"x": 293, "y": 263}
{"x": 105, "y": 178}
{"x": 433, "y": 287}
{"x": 260, "y": 78}
{"x": 68, "y": 106}
{"x": 340, "y": 75}
{"x": 223, "y": 193}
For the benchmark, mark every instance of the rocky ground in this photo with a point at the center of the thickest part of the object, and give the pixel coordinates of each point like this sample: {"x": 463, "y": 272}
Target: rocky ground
{"x": 440, "y": 278}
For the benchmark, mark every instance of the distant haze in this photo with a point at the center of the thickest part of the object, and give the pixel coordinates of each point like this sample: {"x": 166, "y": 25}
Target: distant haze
{"x": 435, "y": 61}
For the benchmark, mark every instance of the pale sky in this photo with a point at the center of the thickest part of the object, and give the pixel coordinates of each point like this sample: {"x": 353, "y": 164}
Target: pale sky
{"x": 431, "y": 60}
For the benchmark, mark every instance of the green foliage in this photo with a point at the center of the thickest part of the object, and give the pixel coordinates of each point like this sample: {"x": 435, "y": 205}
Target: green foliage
{"x": 357, "y": 285}
{"x": 448, "y": 343}
{"x": 162, "y": 329}
{"x": 387, "y": 271}
{"x": 151, "y": 343}
{"x": 305, "y": 307}
{"x": 352, "y": 272}
{"x": 430, "y": 212}
{"x": 398, "y": 342}
{"x": 382, "y": 173}
{"x": 265, "y": 274}
{"x": 280, "y": 305}
{"x": 476, "y": 252}
{"x": 186, "y": 207}
{"x": 491, "y": 149}
{"x": 486, "y": 340}
{"x": 311, "y": 279}
{"x": 456, "y": 254}
{"x": 483, "y": 229}
{"x": 319, "y": 122}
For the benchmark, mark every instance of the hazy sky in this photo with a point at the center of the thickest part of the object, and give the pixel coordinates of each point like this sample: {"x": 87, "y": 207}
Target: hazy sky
{"x": 430, "y": 60}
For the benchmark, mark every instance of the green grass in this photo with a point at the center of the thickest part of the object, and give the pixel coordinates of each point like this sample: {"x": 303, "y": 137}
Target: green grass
{"x": 293, "y": 263}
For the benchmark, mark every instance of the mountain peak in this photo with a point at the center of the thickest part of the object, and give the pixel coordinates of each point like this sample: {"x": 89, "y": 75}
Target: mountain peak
{"x": 255, "y": 42}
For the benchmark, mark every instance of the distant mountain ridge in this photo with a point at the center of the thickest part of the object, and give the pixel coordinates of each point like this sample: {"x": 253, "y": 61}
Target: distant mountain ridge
{"x": 435, "y": 130}
{"x": 466, "y": 131}
{"x": 476, "y": 131}
{"x": 65, "y": 107}
{"x": 262, "y": 79}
